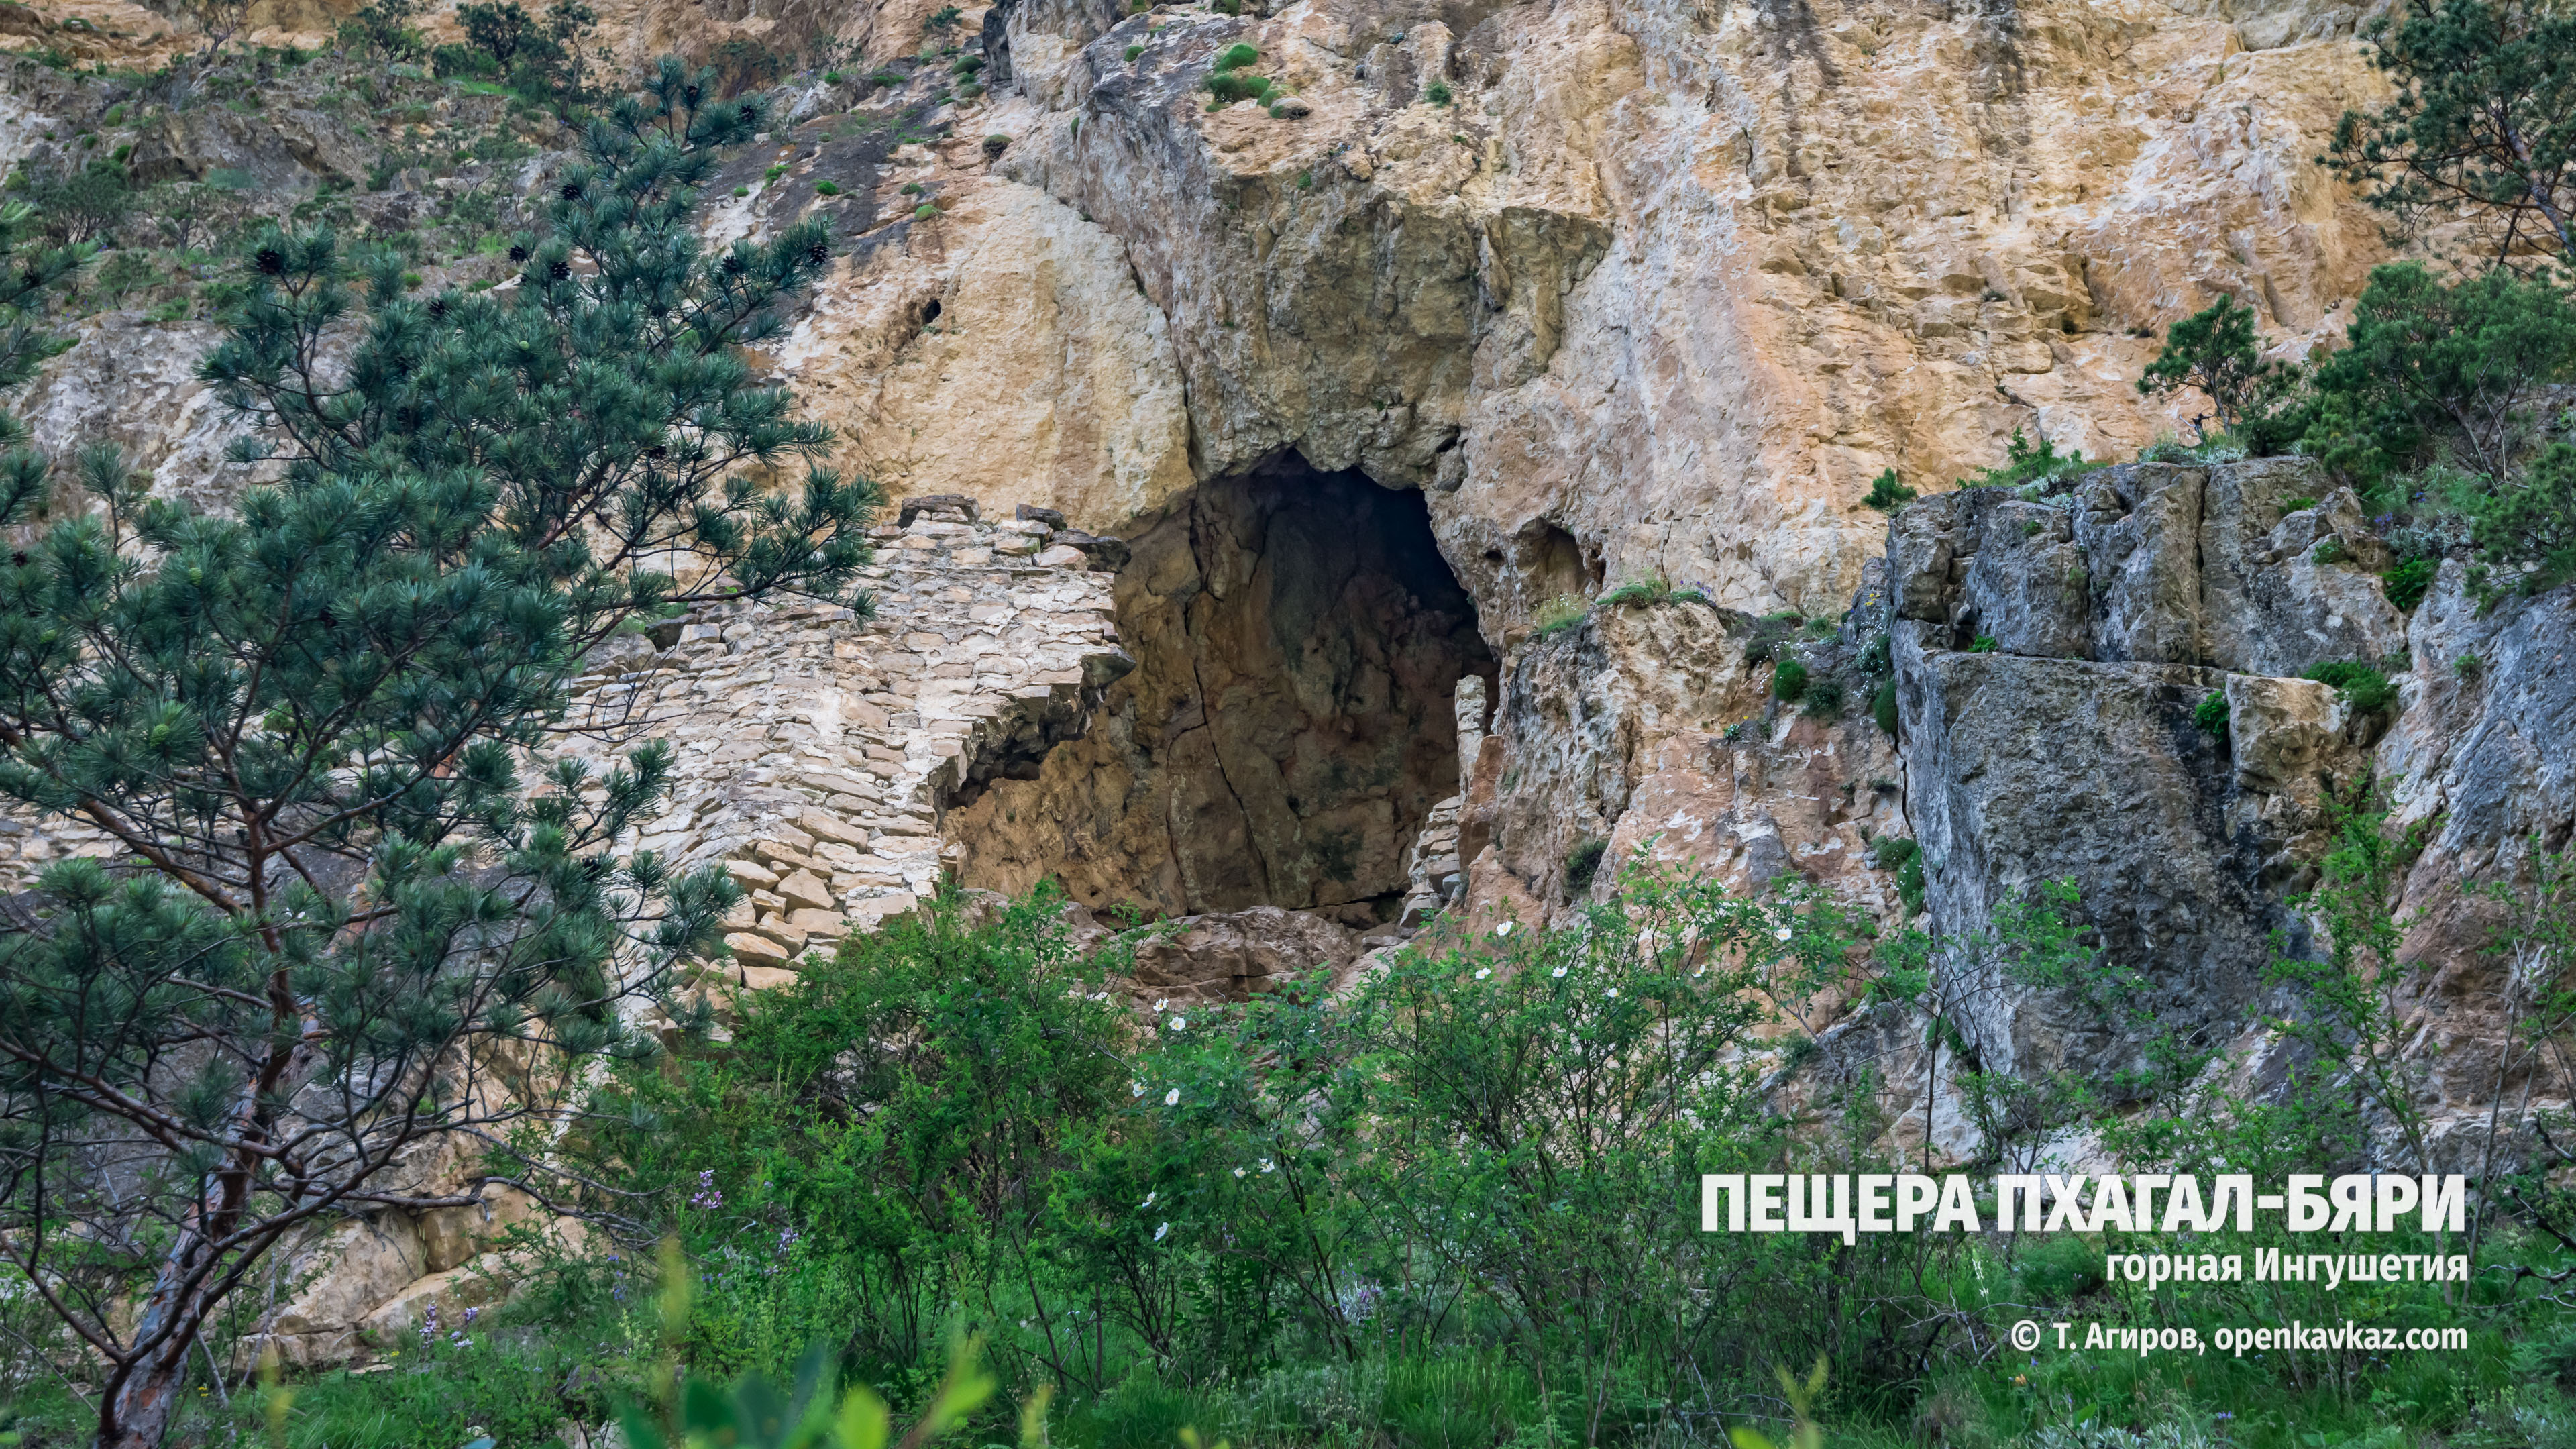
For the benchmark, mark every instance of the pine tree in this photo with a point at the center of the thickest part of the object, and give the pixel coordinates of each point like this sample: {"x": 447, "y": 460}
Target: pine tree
{"x": 2482, "y": 125}
{"x": 357, "y": 902}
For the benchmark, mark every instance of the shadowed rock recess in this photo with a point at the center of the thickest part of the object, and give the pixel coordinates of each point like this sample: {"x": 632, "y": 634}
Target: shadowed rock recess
{"x": 1288, "y": 727}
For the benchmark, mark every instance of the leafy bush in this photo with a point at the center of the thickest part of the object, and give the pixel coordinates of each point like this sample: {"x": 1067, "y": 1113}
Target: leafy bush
{"x": 1886, "y": 494}
{"x": 1789, "y": 681}
{"x": 2211, "y": 713}
{"x": 1437, "y": 93}
{"x": 1490, "y": 1146}
{"x": 1983, "y": 644}
{"x": 1905, "y": 857}
{"x": 1133, "y": 51}
{"x": 1882, "y": 708}
{"x": 827, "y": 188}
{"x": 1236, "y": 57}
{"x": 2363, "y": 687}
{"x": 2407, "y": 583}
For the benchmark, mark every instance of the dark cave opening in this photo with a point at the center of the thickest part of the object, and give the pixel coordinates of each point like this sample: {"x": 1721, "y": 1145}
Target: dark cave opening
{"x": 1289, "y": 725}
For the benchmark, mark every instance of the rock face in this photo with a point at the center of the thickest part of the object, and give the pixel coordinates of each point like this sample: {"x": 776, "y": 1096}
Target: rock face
{"x": 1228, "y": 957}
{"x": 2066, "y": 748}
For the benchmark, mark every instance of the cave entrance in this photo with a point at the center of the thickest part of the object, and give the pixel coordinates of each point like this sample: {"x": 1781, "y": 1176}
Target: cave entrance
{"x": 1288, "y": 726}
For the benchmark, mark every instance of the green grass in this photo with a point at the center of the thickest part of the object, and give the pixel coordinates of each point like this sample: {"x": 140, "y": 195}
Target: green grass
{"x": 1560, "y": 614}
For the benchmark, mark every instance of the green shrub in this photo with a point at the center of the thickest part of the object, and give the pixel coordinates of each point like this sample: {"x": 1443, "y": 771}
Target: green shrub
{"x": 2430, "y": 368}
{"x": 925, "y": 211}
{"x": 1882, "y": 707}
{"x": 1229, "y": 87}
{"x": 2298, "y": 505}
{"x": 2526, "y": 528}
{"x": 2026, "y": 464}
{"x": 1789, "y": 681}
{"x": 1134, "y": 51}
{"x": 827, "y": 188}
{"x": 1983, "y": 644}
{"x": 1823, "y": 697}
{"x": 1905, "y": 857}
{"x": 831, "y": 77}
{"x": 1437, "y": 93}
{"x": 2363, "y": 687}
{"x": 1582, "y": 863}
{"x": 1235, "y": 57}
{"x": 2059, "y": 1270}
{"x": 1887, "y": 495}
{"x": 2408, "y": 582}
{"x": 1636, "y": 591}
{"x": 2211, "y": 713}
{"x": 2468, "y": 666}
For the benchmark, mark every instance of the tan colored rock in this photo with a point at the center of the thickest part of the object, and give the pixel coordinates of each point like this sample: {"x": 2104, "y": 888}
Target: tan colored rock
{"x": 751, "y": 874}
{"x": 1049, "y": 381}
{"x": 753, "y": 951}
{"x": 802, "y": 891}
{"x": 824, "y": 924}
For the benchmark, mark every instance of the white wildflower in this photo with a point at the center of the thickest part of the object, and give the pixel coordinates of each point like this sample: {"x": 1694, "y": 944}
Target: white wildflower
{"x": 1504, "y": 929}
{"x": 1614, "y": 993}
{"x": 1172, "y": 1098}
{"x": 1267, "y": 1164}
{"x": 1484, "y": 971}
{"x": 1135, "y": 1089}
{"x": 1238, "y": 1172}
{"x": 1160, "y": 1231}
{"x": 1559, "y": 973}
{"x": 1162, "y": 1002}
{"x": 1180, "y": 1023}
{"x": 1782, "y": 933}
{"x": 1149, "y": 1198}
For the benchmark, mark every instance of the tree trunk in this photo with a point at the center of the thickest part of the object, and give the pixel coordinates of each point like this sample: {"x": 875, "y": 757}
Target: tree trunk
{"x": 136, "y": 1413}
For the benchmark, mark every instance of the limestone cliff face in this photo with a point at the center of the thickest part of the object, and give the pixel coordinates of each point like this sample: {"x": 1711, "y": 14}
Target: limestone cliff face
{"x": 1676, "y": 281}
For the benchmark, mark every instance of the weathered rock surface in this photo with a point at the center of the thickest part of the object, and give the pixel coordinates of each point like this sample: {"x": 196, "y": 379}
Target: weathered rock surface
{"x": 1230, "y": 956}
{"x": 2070, "y": 752}
{"x": 1289, "y": 725}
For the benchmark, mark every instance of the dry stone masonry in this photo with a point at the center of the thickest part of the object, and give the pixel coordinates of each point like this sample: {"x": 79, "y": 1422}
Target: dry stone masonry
{"x": 816, "y": 751}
